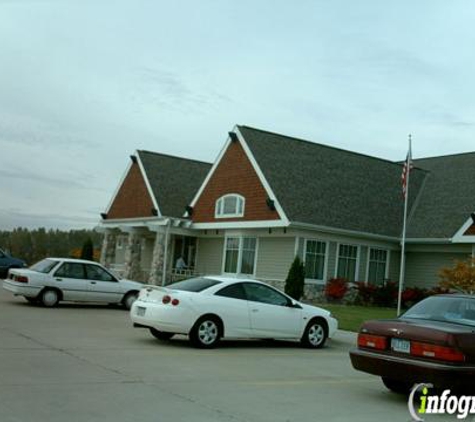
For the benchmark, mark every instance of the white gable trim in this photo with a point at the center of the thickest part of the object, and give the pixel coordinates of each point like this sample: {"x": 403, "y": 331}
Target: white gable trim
{"x": 261, "y": 176}
{"x": 210, "y": 174}
{"x": 117, "y": 189}
{"x": 147, "y": 183}
{"x": 460, "y": 238}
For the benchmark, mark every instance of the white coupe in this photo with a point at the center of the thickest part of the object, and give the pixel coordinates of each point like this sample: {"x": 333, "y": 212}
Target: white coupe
{"x": 56, "y": 279}
{"x": 210, "y": 308}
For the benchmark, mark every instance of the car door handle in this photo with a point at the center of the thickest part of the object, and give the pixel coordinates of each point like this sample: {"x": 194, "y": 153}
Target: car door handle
{"x": 93, "y": 282}
{"x": 255, "y": 310}
{"x": 59, "y": 279}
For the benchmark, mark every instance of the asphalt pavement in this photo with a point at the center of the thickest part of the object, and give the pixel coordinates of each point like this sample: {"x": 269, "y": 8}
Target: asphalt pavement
{"x": 87, "y": 363}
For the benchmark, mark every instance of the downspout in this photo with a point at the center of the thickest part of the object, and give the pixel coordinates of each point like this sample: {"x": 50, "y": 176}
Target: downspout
{"x": 165, "y": 258}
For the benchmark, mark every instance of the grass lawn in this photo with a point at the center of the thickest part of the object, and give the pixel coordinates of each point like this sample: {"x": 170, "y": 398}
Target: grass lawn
{"x": 350, "y": 317}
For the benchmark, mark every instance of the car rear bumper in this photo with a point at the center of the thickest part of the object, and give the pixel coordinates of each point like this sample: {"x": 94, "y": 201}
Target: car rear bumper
{"x": 21, "y": 289}
{"x": 161, "y": 317}
{"x": 412, "y": 370}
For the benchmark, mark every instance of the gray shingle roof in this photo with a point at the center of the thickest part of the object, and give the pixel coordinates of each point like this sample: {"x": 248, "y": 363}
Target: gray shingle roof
{"x": 447, "y": 198}
{"x": 174, "y": 181}
{"x": 325, "y": 186}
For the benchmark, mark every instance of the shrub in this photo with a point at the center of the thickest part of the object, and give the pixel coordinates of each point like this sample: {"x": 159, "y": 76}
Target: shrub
{"x": 87, "y": 251}
{"x": 385, "y": 294}
{"x": 412, "y": 295}
{"x": 294, "y": 283}
{"x": 336, "y": 288}
{"x": 460, "y": 277}
{"x": 365, "y": 293}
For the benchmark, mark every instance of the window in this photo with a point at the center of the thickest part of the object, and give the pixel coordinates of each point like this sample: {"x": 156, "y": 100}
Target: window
{"x": 264, "y": 294}
{"x": 95, "y": 272}
{"x": 240, "y": 255}
{"x": 44, "y": 266}
{"x": 234, "y": 291}
{"x": 378, "y": 259}
{"x": 315, "y": 253}
{"x": 194, "y": 284}
{"x": 229, "y": 206}
{"x": 347, "y": 262}
{"x": 71, "y": 270}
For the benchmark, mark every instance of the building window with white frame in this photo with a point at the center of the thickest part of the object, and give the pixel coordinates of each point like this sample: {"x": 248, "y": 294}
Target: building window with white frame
{"x": 315, "y": 257}
{"x": 347, "y": 262}
{"x": 240, "y": 255}
{"x": 377, "y": 265}
{"x": 231, "y": 205}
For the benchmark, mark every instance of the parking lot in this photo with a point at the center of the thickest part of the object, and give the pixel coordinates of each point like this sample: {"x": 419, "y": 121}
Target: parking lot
{"x": 87, "y": 363}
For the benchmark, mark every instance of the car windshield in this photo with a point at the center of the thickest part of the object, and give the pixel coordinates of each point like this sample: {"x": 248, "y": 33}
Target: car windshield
{"x": 458, "y": 310}
{"x": 44, "y": 266}
{"x": 194, "y": 284}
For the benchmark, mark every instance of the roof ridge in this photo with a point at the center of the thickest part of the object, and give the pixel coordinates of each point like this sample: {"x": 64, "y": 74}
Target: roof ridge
{"x": 444, "y": 156}
{"x": 173, "y": 156}
{"x": 398, "y": 163}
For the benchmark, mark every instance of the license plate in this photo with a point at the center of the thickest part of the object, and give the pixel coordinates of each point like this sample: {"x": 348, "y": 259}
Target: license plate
{"x": 141, "y": 311}
{"x": 400, "y": 345}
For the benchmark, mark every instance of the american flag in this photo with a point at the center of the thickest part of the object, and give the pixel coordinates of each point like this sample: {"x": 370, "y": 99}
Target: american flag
{"x": 406, "y": 169}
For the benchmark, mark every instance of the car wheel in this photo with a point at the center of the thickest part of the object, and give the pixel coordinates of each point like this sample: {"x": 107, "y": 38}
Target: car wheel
{"x": 315, "y": 334}
{"x": 161, "y": 335}
{"x": 49, "y": 298}
{"x": 396, "y": 386}
{"x": 129, "y": 299}
{"x": 206, "y": 333}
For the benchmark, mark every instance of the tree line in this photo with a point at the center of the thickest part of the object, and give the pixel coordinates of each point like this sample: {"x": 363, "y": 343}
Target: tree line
{"x": 34, "y": 245}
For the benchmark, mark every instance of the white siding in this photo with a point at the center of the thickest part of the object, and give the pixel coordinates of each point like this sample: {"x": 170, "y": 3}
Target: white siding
{"x": 274, "y": 257}
{"x": 394, "y": 265}
{"x": 422, "y": 268}
{"x": 210, "y": 255}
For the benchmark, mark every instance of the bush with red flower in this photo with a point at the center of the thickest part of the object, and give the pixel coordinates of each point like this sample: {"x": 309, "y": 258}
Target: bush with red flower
{"x": 336, "y": 288}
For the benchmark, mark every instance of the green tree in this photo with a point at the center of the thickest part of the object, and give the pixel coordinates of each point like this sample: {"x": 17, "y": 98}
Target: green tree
{"x": 295, "y": 281}
{"x": 87, "y": 251}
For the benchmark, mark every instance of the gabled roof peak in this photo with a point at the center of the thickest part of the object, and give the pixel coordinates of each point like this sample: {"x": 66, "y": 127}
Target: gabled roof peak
{"x": 172, "y": 156}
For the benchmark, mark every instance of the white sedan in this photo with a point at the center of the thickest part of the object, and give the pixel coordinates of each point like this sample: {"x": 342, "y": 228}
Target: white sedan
{"x": 210, "y": 308}
{"x": 56, "y": 279}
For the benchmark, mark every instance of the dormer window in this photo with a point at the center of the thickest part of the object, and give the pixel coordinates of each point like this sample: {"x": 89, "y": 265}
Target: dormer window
{"x": 231, "y": 205}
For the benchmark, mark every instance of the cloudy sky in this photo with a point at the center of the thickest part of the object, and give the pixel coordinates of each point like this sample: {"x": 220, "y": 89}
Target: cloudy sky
{"x": 83, "y": 84}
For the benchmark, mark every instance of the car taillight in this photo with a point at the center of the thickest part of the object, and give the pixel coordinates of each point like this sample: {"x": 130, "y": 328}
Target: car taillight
{"x": 433, "y": 351}
{"x": 175, "y": 302}
{"x": 166, "y": 299}
{"x": 21, "y": 279}
{"x": 373, "y": 342}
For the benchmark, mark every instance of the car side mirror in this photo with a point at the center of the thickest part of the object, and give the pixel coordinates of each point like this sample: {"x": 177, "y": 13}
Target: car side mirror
{"x": 293, "y": 304}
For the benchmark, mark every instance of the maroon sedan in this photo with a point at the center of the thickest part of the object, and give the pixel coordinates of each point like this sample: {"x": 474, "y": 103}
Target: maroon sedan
{"x": 433, "y": 342}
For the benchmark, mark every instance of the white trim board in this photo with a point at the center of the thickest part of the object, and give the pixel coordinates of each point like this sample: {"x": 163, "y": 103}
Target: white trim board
{"x": 117, "y": 189}
{"x": 147, "y": 183}
{"x": 460, "y": 238}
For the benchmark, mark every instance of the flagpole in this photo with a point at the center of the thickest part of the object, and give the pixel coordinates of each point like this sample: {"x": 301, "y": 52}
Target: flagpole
{"x": 403, "y": 238}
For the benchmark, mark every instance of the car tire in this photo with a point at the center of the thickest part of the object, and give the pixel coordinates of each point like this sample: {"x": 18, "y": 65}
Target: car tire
{"x": 206, "y": 332}
{"x": 129, "y": 299}
{"x": 49, "y": 298}
{"x": 396, "y": 386}
{"x": 315, "y": 334}
{"x": 32, "y": 300}
{"x": 161, "y": 335}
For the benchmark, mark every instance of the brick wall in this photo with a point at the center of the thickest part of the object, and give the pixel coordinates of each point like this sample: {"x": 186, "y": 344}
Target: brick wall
{"x": 234, "y": 174}
{"x": 133, "y": 199}
{"x": 470, "y": 231}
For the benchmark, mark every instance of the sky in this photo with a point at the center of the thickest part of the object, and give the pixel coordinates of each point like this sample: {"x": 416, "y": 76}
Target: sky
{"x": 83, "y": 84}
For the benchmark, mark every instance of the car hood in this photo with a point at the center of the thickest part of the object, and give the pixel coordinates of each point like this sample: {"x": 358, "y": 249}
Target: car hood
{"x": 311, "y": 309}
